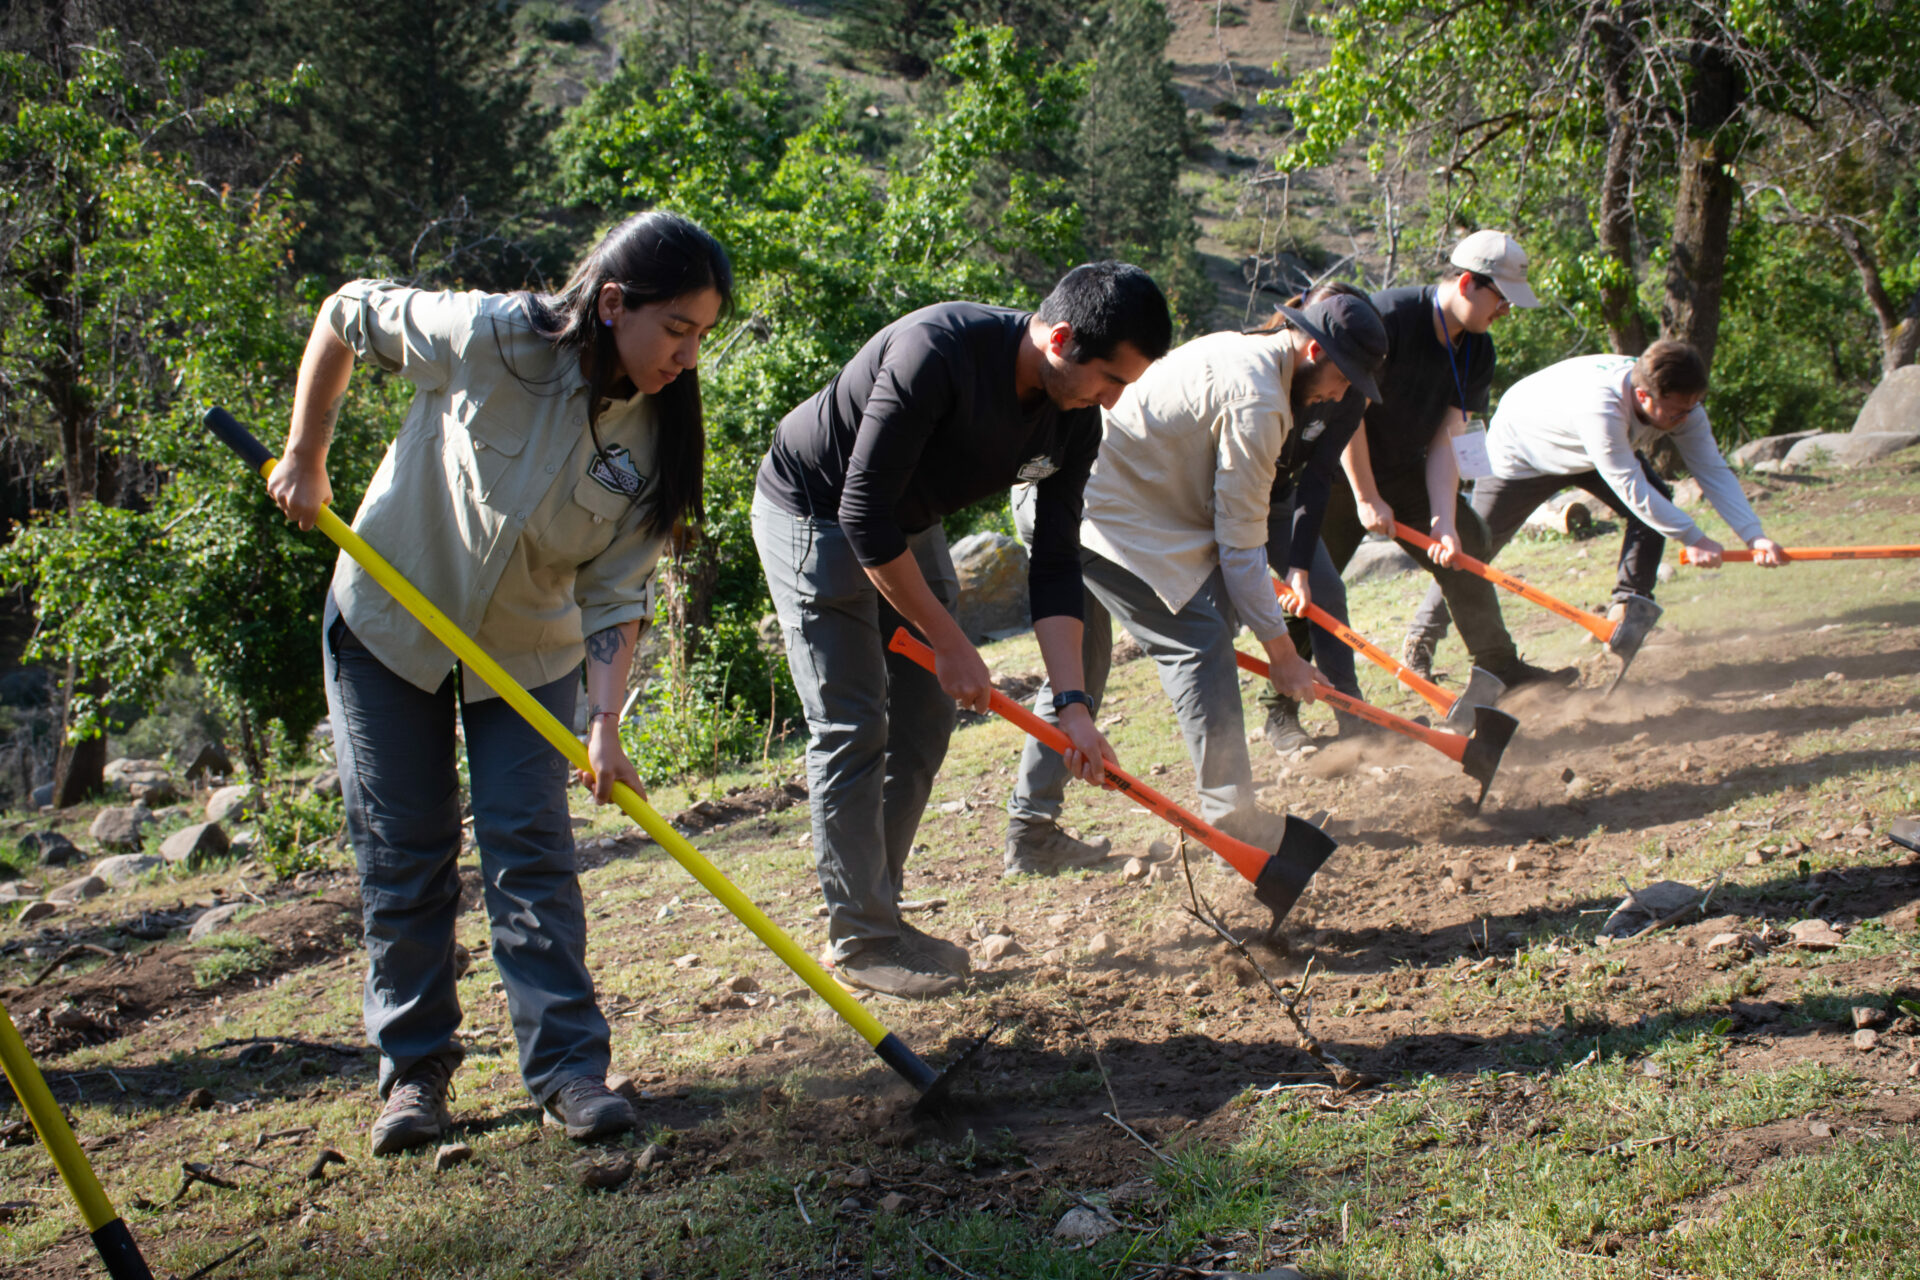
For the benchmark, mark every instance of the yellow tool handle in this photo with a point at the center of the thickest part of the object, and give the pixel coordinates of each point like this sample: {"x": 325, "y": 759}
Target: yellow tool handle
{"x": 109, "y": 1234}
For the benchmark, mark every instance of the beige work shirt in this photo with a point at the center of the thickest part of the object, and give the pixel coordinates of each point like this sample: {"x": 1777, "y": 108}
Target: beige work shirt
{"x": 1187, "y": 461}
{"x": 492, "y": 500}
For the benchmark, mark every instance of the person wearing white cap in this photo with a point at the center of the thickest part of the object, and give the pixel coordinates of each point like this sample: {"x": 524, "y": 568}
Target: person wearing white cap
{"x": 1401, "y": 469}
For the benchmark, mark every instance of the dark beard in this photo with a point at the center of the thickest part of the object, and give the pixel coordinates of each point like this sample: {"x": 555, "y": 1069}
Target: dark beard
{"x": 1307, "y": 385}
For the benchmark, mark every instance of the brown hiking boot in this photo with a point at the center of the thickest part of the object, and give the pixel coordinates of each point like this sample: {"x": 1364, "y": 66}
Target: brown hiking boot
{"x": 950, "y": 956}
{"x": 1417, "y": 655}
{"x": 1284, "y": 732}
{"x": 897, "y": 968}
{"x": 1037, "y": 847}
{"x": 415, "y": 1112}
{"x": 589, "y": 1109}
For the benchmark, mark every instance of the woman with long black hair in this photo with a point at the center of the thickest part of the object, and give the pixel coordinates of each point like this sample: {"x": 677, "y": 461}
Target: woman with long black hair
{"x": 552, "y": 446}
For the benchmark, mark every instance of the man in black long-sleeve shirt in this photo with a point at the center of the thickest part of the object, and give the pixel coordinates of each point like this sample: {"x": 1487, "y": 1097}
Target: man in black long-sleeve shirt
{"x": 938, "y": 410}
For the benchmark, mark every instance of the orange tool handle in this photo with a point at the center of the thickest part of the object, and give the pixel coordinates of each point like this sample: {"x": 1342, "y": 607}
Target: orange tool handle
{"x": 1451, "y": 745}
{"x": 1599, "y": 626}
{"x": 1818, "y": 553}
{"x": 1245, "y": 859}
{"x": 1436, "y": 697}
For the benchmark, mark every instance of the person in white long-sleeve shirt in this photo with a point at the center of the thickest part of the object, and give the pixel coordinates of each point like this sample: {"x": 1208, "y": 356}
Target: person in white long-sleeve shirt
{"x": 1587, "y": 422}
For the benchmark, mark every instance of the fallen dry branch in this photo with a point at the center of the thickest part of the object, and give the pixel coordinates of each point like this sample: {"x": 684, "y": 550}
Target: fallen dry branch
{"x": 1203, "y": 911}
{"x": 73, "y": 952}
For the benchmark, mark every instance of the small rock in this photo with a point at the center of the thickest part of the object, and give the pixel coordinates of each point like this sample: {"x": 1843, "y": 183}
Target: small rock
{"x": 688, "y": 961}
{"x": 232, "y": 802}
{"x": 153, "y": 790}
{"x": 125, "y": 867}
{"x": 852, "y": 1204}
{"x": 1861, "y": 832}
{"x": 35, "y": 912}
{"x": 325, "y": 783}
{"x": 1834, "y": 677}
{"x": 1159, "y": 851}
{"x": 998, "y": 946}
{"x": 1451, "y": 887}
{"x": 1757, "y": 857}
{"x": 1081, "y": 1225}
{"x": 742, "y": 983}
{"x": 1516, "y": 864}
{"x": 462, "y": 960}
{"x": 626, "y": 1086}
{"x": 858, "y": 1179}
{"x": 1819, "y": 1129}
{"x": 1136, "y": 869}
{"x": 1864, "y": 1040}
{"x": 213, "y": 920}
{"x": 952, "y": 806}
{"x": 198, "y": 1100}
{"x": 1867, "y": 1016}
{"x": 1100, "y": 944}
{"x": 1579, "y": 788}
{"x": 1197, "y": 989}
{"x": 190, "y": 846}
{"x": 652, "y": 1156}
{"x": 50, "y": 848}
{"x": 602, "y": 1175}
{"x": 120, "y": 828}
{"x": 1813, "y": 935}
{"x": 1905, "y": 919}
{"x": 894, "y": 1202}
{"x": 451, "y": 1154}
{"x": 78, "y": 890}
{"x": 1726, "y": 941}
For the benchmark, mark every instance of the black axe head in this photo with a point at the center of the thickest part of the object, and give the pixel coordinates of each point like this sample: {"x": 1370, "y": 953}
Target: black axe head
{"x": 933, "y": 1096}
{"x": 1492, "y": 731}
{"x": 1303, "y": 847}
{"x": 1635, "y": 625}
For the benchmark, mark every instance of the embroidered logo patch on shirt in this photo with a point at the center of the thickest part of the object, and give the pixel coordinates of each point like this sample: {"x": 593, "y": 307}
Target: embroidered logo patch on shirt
{"x": 615, "y": 471}
{"x": 1036, "y": 469}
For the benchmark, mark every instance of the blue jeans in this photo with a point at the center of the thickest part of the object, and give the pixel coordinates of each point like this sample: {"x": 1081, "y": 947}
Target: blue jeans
{"x": 395, "y": 747}
{"x": 877, "y": 722}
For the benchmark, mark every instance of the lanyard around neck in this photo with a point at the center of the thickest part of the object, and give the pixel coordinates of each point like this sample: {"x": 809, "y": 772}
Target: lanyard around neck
{"x": 1459, "y": 390}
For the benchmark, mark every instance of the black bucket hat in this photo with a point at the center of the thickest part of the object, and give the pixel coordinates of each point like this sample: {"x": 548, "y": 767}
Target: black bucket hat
{"x": 1349, "y": 330}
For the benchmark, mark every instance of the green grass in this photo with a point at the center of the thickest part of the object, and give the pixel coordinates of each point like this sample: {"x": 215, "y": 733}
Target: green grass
{"x": 229, "y": 956}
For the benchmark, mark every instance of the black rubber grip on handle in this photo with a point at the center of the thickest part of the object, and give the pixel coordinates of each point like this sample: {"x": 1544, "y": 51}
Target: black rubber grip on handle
{"x": 237, "y": 438}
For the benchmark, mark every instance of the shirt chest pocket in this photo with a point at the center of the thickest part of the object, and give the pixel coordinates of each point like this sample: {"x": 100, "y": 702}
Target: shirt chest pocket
{"x": 485, "y": 443}
{"x": 585, "y": 525}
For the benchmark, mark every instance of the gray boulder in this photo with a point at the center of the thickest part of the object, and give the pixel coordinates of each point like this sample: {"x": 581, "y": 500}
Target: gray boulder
{"x": 190, "y": 846}
{"x": 993, "y": 585}
{"x": 78, "y": 890}
{"x": 35, "y": 912}
{"x": 1894, "y": 404}
{"x": 1767, "y": 448}
{"x": 43, "y": 795}
{"x": 325, "y": 783}
{"x": 213, "y": 920}
{"x": 1833, "y": 449}
{"x": 1379, "y": 559}
{"x": 210, "y": 760}
{"x": 124, "y": 867}
{"x": 51, "y": 848}
{"x": 121, "y": 828}
{"x": 117, "y": 771}
{"x": 232, "y": 802}
{"x": 155, "y": 790}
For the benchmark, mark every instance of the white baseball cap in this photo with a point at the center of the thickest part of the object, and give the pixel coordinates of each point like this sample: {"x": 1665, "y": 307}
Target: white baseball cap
{"x": 1497, "y": 254}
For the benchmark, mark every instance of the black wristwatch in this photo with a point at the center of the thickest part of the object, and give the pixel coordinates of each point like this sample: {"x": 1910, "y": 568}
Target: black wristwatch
{"x": 1061, "y": 701}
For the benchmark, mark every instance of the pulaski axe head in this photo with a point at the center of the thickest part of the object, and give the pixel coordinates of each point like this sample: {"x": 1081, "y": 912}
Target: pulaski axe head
{"x": 934, "y": 1089}
{"x": 1303, "y": 847}
{"x": 1492, "y": 731}
{"x": 1630, "y": 633}
{"x": 1484, "y": 689}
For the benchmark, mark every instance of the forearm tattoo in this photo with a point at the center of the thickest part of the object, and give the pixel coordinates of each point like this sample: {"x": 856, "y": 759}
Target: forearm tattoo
{"x": 604, "y": 646}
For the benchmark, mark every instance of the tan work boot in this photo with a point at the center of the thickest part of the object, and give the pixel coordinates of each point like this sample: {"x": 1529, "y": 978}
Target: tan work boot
{"x": 950, "y": 956}
{"x": 1038, "y": 847}
{"x": 897, "y": 968}
{"x": 415, "y": 1112}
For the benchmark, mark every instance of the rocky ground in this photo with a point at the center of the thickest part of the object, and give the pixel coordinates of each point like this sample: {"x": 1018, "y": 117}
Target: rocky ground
{"x": 1729, "y": 1091}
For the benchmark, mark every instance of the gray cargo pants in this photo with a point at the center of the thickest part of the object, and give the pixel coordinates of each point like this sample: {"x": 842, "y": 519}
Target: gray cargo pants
{"x": 395, "y": 747}
{"x": 877, "y": 722}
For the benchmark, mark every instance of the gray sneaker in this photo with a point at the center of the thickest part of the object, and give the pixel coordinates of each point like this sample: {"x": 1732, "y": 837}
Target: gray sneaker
{"x": 415, "y": 1112}
{"x": 950, "y": 956}
{"x": 1038, "y": 847}
{"x": 589, "y": 1109}
{"x": 1284, "y": 732}
{"x": 897, "y": 968}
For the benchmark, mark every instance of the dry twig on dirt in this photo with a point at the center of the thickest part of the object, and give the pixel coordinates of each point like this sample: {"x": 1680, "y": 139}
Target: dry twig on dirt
{"x": 73, "y": 952}
{"x": 1203, "y": 911}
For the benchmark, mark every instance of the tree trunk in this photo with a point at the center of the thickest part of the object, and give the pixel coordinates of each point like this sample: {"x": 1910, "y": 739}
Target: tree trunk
{"x": 688, "y": 578}
{"x": 79, "y": 769}
{"x": 1619, "y": 292}
{"x": 1703, "y": 209}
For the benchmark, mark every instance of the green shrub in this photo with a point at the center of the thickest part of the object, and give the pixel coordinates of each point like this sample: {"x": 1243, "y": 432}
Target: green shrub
{"x": 297, "y": 829}
{"x": 228, "y": 956}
